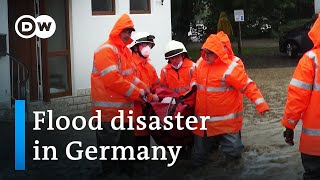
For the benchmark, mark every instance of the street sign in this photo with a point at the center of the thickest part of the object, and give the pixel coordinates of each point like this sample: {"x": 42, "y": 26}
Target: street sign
{"x": 317, "y": 6}
{"x": 239, "y": 15}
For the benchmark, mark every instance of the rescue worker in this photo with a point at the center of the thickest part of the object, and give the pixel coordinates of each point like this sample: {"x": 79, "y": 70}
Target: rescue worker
{"x": 220, "y": 83}
{"x": 114, "y": 87}
{"x": 141, "y": 46}
{"x": 303, "y": 103}
{"x": 177, "y": 74}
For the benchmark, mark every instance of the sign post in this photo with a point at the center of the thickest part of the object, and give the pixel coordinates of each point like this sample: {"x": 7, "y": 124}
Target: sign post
{"x": 239, "y": 17}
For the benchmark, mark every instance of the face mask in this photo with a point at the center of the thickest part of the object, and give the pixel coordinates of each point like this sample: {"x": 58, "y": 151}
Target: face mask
{"x": 178, "y": 66}
{"x": 145, "y": 51}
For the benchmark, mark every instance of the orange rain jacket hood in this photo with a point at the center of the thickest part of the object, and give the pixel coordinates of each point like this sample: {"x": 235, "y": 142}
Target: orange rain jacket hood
{"x": 314, "y": 33}
{"x": 124, "y": 22}
{"x": 227, "y": 44}
{"x": 213, "y": 43}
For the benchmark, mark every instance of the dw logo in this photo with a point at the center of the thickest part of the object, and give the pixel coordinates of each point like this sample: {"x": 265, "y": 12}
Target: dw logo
{"x": 27, "y": 26}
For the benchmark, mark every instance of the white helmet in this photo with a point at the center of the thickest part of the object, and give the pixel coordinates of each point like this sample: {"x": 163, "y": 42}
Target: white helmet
{"x": 174, "y": 48}
{"x": 142, "y": 37}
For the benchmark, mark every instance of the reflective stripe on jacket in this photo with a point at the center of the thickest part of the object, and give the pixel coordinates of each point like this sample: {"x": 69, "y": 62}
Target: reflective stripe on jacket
{"x": 112, "y": 77}
{"x": 147, "y": 74}
{"x": 220, "y": 85}
{"x": 303, "y": 102}
{"x": 303, "y": 97}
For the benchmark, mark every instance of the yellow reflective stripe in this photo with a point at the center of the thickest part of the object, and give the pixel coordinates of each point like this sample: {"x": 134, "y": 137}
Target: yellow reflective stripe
{"x": 108, "y": 69}
{"x": 259, "y": 101}
{"x": 126, "y": 72}
{"x": 113, "y": 104}
{"x": 130, "y": 90}
{"x": 219, "y": 89}
{"x": 223, "y": 118}
{"x": 228, "y": 71}
{"x": 300, "y": 84}
{"x": 311, "y": 132}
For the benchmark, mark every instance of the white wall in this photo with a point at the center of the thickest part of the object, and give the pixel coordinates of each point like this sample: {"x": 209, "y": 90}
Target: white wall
{"x": 88, "y": 32}
{"x": 316, "y": 6}
{"x": 4, "y": 61}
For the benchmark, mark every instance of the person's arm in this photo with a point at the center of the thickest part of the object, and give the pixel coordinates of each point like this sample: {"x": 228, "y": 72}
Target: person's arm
{"x": 106, "y": 64}
{"x": 299, "y": 92}
{"x": 241, "y": 82}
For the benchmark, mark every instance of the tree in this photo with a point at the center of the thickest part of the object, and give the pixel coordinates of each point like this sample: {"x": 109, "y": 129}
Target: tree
{"x": 262, "y": 17}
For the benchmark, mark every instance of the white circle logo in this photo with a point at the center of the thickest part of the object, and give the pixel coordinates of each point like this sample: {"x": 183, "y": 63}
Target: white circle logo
{"x": 27, "y": 26}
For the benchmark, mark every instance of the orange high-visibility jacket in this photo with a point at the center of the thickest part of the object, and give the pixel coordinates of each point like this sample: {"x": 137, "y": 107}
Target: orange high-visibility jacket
{"x": 178, "y": 80}
{"x": 113, "y": 84}
{"x": 303, "y": 97}
{"x": 220, "y": 85}
{"x": 146, "y": 73}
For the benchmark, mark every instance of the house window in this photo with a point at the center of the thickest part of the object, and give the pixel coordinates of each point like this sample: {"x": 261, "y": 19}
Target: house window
{"x": 140, "y": 7}
{"x": 102, "y": 7}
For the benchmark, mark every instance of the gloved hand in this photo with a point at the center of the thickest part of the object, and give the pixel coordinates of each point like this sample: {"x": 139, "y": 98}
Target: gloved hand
{"x": 288, "y": 136}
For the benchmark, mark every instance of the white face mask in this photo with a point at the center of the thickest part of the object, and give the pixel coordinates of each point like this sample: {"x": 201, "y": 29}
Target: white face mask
{"x": 178, "y": 66}
{"x": 145, "y": 51}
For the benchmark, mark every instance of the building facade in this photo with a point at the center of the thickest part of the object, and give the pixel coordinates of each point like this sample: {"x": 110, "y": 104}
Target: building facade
{"x": 60, "y": 66}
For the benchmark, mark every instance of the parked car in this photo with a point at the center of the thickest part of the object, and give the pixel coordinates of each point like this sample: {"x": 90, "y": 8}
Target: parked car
{"x": 296, "y": 40}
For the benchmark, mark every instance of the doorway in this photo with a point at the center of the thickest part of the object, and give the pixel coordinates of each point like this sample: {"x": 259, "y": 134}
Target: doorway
{"x": 48, "y": 60}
